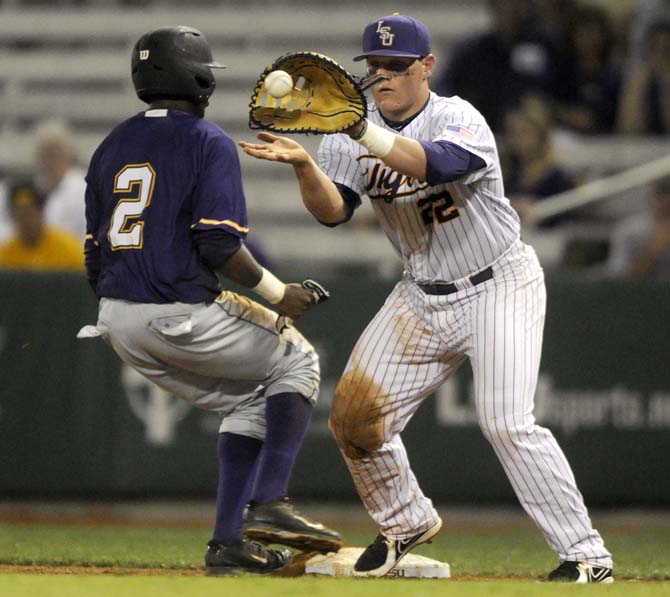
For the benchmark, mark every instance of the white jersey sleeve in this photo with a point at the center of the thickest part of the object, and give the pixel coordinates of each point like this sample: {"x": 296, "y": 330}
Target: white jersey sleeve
{"x": 467, "y": 129}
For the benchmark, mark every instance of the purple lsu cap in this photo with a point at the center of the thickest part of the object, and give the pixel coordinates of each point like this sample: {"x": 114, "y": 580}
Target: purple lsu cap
{"x": 395, "y": 35}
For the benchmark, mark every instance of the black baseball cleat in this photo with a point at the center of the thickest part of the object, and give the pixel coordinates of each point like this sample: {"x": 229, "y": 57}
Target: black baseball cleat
{"x": 246, "y": 556}
{"x": 279, "y": 522}
{"x": 380, "y": 557}
{"x": 581, "y": 573}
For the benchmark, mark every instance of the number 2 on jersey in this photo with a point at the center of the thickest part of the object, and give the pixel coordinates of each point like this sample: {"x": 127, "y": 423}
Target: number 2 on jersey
{"x": 126, "y": 230}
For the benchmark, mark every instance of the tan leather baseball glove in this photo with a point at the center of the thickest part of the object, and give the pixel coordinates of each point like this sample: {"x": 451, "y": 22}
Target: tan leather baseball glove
{"x": 325, "y": 98}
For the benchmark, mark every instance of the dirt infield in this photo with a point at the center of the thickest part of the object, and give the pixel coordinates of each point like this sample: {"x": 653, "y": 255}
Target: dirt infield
{"x": 97, "y": 570}
{"x": 296, "y": 568}
{"x": 114, "y": 571}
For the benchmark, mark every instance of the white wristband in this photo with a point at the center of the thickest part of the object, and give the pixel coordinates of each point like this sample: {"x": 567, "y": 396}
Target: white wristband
{"x": 270, "y": 288}
{"x": 378, "y": 140}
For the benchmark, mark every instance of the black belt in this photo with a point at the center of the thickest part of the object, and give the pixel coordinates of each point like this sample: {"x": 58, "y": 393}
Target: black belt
{"x": 450, "y": 287}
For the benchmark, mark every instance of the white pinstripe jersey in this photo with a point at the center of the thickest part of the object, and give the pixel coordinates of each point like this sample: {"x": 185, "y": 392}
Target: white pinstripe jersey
{"x": 443, "y": 232}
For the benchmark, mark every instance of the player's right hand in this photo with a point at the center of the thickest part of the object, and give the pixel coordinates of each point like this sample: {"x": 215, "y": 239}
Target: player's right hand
{"x": 276, "y": 149}
{"x": 296, "y": 302}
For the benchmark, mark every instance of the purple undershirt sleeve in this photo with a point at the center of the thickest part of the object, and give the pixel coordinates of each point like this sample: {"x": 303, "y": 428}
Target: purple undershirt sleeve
{"x": 216, "y": 246}
{"x": 447, "y": 162}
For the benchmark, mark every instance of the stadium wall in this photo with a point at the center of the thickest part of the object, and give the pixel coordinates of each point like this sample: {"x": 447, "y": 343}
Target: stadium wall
{"x": 75, "y": 423}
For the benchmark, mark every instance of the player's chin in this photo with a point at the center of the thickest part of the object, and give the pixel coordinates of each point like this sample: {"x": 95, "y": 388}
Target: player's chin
{"x": 389, "y": 103}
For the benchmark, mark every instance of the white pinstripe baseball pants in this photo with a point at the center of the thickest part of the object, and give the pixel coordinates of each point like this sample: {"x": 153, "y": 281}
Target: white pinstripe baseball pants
{"x": 413, "y": 344}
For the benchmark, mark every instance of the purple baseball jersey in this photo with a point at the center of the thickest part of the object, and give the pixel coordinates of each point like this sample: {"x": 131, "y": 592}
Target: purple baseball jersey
{"x": 154, "y": 180}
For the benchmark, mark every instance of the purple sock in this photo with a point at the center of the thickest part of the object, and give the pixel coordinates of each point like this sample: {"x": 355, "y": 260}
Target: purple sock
{"x": 287, "y": 417}
{"x": 238, "y": 459}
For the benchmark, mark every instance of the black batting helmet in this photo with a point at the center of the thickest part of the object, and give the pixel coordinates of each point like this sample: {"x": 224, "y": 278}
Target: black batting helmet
{"x": 173, "y": 63}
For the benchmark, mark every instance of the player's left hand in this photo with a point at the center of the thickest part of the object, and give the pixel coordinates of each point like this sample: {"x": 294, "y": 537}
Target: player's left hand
{"x": 298, "y": 299}
{"x": 296, "y": 302}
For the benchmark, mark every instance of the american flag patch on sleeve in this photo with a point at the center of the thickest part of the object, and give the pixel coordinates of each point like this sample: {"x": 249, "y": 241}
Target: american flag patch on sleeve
{"x": 460, "y": 131}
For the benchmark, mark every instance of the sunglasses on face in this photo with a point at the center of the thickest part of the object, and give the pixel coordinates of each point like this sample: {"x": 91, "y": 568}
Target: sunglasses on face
{"x": 399, "y": 67}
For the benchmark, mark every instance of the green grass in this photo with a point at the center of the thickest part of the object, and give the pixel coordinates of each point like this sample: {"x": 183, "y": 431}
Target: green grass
{"x": 75, "y": 545}
{"x": 19, "y": 585}
{"x": 88, "y": 586}
{"x": 639, "y": 554}
{"x": 519, "y": 553}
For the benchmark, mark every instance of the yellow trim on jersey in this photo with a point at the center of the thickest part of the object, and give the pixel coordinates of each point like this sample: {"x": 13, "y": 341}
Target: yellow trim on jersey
{"x": 89, "y": 236}
{"x": 226, "y": 222}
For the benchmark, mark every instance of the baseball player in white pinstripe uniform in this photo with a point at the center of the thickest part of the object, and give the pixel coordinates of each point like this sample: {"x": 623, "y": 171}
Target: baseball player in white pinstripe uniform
{"x": 470, "y": 289}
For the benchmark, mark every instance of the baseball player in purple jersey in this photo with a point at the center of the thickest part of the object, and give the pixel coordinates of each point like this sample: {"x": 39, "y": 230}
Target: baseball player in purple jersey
{"x": 471, "y": 289}
{"x": 166, "y": 213}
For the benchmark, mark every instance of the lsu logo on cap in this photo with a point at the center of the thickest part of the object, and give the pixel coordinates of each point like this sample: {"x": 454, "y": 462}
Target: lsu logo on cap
{"x": 385, "y": 35}
{"x": 144, "y": 54}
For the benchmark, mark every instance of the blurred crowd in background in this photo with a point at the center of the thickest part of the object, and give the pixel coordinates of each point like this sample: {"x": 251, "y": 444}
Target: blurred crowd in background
{"x": 590, "y": 67}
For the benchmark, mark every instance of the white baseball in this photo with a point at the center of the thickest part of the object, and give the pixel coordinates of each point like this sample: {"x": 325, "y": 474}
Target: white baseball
{"x": 278, "y": 83}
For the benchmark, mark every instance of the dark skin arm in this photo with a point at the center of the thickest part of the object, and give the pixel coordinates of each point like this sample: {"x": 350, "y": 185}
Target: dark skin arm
{"x": 243, "y": 269}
